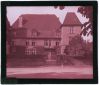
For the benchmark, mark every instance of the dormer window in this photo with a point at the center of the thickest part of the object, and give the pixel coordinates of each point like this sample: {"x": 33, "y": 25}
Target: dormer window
{"x": 34, "y": 33}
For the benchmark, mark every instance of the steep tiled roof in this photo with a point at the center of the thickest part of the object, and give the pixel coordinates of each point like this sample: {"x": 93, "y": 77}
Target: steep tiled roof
{"x": 71, "y": 19}
{"x": 45, "y": 24}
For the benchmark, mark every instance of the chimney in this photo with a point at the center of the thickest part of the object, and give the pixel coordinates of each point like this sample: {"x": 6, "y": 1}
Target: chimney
{"x": 20, "y": 21}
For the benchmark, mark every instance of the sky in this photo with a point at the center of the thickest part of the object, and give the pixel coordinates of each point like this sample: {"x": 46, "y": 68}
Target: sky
{"x": 13, "y": 12}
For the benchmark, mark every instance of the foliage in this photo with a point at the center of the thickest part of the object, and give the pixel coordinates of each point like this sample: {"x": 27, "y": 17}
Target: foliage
{"x": 86, "y": 11}
{"x": 76, "y": 40}
{"x": 77, "y": 46}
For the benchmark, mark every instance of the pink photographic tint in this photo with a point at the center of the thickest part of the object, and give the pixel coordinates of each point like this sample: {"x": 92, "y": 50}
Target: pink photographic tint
{"x": 49, "y": 42}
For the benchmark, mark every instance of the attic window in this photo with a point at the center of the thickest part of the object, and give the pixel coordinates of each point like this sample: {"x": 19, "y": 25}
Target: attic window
{"x": 34, "y": 33}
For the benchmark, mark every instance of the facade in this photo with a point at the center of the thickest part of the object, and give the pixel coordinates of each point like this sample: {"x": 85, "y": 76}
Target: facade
{"x": 70, "y": 28}
{"x": 44, "y": 34}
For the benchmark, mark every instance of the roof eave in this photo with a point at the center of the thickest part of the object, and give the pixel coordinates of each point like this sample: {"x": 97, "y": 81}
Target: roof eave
{"x": 71, "y": 25}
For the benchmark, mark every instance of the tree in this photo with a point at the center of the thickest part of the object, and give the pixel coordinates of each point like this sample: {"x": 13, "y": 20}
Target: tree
{"x": 76, "y": 40}
{"x": 76, "y": 46}
{"x": 87, "y": 11}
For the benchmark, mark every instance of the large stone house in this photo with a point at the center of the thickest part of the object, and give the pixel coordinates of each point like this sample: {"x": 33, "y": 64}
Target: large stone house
{"x": 44, "y": 31}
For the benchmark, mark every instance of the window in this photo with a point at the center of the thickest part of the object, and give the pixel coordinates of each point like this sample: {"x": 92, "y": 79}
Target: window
{"x": 31, "y": 51}
{"x": 27, "y": 43}
{"x": 28, "y": 52}
{"x": 34, "y": 34}
{"x": 57, "y": 43}
{"x": 33, "y": 43}
{"x": 47, "y": 43}
{"x": 34, "y": 51}
{"x": 71, "y": 30}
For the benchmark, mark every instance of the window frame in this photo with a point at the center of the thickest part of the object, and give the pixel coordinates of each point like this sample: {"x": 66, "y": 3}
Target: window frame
{"x": 57, "y": 43}
{"x": 27, "y": 43}
{"x": 33, "y": 43}
{"x": 71, "y": 31}
{"x": 47, "y": 43}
